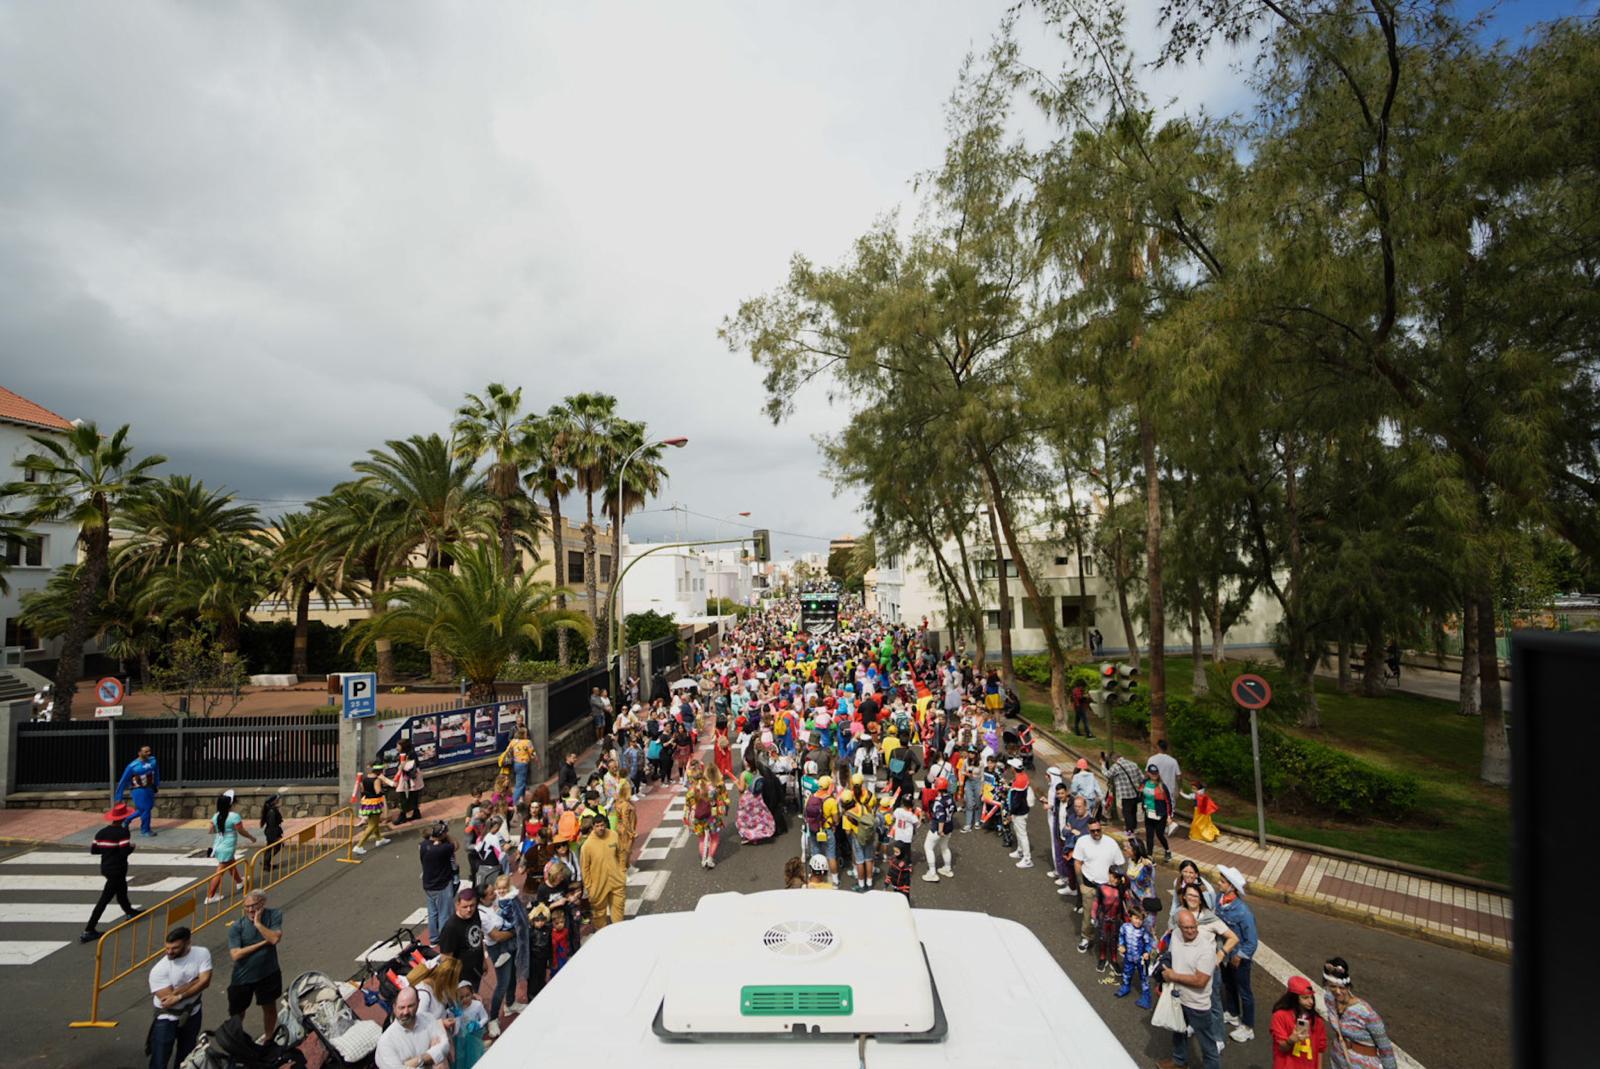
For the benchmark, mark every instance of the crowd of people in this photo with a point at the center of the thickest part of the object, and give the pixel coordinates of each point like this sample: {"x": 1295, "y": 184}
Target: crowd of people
{"x": 867, "y": 740}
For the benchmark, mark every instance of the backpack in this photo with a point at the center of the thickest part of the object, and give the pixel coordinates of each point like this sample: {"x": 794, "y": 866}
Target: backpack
{"x": 781, "y": 726}
{"x": 653, "y": 752}
{"x": 866, "y": 831}
{"x": 814, "y": 812}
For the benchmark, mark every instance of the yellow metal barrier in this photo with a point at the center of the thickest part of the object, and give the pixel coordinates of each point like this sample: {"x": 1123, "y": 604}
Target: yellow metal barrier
{"x": 138, "y": 941}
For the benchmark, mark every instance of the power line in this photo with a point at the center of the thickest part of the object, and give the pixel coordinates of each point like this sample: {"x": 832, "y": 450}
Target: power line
{"x": 732, "y": 523}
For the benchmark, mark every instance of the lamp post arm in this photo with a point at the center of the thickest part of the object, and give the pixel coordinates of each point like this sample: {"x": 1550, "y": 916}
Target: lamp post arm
{"x": 611, "y": 595}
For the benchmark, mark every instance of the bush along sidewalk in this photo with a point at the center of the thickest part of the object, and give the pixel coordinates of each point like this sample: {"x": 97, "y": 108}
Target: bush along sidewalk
{"x": 1295, "y": 772}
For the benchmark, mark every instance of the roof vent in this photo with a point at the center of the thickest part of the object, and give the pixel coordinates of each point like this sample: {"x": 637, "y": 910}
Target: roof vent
{"x": 799, "y": 939}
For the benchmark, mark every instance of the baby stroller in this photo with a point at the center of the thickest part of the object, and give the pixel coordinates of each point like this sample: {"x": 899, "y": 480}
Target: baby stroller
{"x": 315, "y": 1005}
{"x": 379, "y": 981}
{"x": 231, "y": 1047}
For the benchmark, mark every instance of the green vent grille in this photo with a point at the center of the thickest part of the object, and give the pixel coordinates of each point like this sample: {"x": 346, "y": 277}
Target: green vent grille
{"x": 807, "y": 1000}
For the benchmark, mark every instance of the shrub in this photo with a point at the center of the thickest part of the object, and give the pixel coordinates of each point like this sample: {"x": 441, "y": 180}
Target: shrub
{"x": 1293, "y": 770}
{"x": 520, "y": 671}
{"x": 1034, "y": 667}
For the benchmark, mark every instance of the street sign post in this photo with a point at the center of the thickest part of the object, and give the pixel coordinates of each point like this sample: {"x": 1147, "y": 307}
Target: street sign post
{"x": 1254, "y": 693}
{"x": 108, "y": 695}
{"x": 360, "y": 695}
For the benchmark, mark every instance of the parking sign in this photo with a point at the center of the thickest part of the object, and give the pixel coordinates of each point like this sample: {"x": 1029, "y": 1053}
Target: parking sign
{"x": 360, "y": 694}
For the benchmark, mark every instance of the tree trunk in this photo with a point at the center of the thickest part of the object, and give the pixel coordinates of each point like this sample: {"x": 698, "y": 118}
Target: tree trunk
{"x": 1199, "y": 682}
{"x": 481, "y": 693}
{"x": 1219, "y": 635}
{"x": 611, "y": 584}
{"x": 1344, "y": 664}
{"x": 298, "y": 664}
{"x": 1058, "y": 696}
{"x": 1152, "y": 552}
{"x": 979, "y": 640}
{"x": 1310, "y": 713}
{"x": 383, "y": 647}
{"x": 508, "y": 560}
{"x": 1008, "y": 671}
{"x": 589, "y": 589}
{"x": 558, "y": 547}
{"x": 1372, "y": 663}
{"x": 1084, "y": 622}
{"x": 1470, "y": 704}
{"x": 1120, "y": 579}
{"x": 1496, "y": 746}
{"x": 1047, "y": 621}
{"x": 70, "y": 667}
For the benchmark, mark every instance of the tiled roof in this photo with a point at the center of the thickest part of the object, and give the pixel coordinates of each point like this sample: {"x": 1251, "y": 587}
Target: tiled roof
{"x": 15, "y": 408}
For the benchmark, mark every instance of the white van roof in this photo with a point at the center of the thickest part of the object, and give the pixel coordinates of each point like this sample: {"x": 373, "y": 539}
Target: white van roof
{"x": 725, "y": 985}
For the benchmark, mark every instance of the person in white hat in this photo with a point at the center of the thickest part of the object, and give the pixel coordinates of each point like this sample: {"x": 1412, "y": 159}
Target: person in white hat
{"x": 1238, "y": 1000}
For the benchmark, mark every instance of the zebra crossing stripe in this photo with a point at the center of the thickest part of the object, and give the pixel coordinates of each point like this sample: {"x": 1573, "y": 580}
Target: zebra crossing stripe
{"x": 88, "y": 883}
{"x": 137, "y": 860}
{"x": 26, "y": 951}
{"x": 46, "y": 912}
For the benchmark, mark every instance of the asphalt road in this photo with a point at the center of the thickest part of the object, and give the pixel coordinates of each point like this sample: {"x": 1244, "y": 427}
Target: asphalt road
{"x": 1444, "y": 1007}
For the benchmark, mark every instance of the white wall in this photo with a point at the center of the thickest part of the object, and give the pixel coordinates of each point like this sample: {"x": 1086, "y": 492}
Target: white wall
{"x": 59, "y": 550}
{"x": 671, "y": 581}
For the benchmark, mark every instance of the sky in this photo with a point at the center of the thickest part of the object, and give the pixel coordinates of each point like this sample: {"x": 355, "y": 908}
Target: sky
{"x": 271, "y": 236}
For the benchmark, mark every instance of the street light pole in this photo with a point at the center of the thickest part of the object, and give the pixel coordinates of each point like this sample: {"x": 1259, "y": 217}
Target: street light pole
{"x": 615, "y": 597}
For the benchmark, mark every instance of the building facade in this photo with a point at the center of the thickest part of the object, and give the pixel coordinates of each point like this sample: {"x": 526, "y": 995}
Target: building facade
{"x": 43, "y": 549}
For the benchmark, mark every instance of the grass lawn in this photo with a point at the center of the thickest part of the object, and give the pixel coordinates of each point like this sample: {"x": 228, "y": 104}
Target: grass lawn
{"x": 1460, "y": 825}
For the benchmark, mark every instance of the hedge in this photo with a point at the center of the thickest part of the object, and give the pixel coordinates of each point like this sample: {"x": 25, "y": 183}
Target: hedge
{"x": 1035, "y": 668}
{"x": 1294, "y": 770}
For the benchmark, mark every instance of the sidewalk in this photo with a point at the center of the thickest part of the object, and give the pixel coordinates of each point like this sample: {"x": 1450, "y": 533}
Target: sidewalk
{"x": 1436, "y": 910}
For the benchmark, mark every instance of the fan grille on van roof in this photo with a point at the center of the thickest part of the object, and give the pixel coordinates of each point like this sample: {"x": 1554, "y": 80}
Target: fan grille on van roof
{"x": 804, "y": 1000}
{"x": 799, "y": 939}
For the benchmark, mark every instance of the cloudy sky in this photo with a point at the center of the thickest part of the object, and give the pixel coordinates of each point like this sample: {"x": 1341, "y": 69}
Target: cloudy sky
{"x": 271, "y": 236}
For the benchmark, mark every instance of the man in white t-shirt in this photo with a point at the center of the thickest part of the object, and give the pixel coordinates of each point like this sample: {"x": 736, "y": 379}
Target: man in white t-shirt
{"x": 412, "y": 1042}
{"x": 1092, "y": 857}
{"x": 1194, "y": 960}
{"x": 1167, "y": 766}
{"x": 177, "y": 982}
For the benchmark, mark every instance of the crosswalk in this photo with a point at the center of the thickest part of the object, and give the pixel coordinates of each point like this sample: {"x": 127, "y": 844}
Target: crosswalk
{"x": 46, "y": 895}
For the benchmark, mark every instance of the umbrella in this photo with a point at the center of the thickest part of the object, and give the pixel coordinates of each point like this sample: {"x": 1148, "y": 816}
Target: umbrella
{"x": 684, "y": 684}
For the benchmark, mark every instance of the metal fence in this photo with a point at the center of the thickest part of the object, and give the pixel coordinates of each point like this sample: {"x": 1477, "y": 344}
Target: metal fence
{"x": 238, "y": 751}
{"x": 568, "y": 699}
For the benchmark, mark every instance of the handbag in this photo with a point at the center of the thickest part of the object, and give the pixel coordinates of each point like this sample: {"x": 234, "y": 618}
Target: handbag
{"x": 1168, "y": 1013}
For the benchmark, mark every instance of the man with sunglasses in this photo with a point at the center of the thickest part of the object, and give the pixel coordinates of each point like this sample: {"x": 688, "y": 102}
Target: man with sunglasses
{"x": 1194, "y": 959}
{"x": 1092, "y": 857}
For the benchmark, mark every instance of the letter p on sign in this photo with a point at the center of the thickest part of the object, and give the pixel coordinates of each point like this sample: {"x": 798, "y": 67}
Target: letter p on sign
{"x": 360, "y": 695}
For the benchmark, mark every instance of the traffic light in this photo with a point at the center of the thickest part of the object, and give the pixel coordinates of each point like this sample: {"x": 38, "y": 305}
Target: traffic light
{"x": 1117, "y": 683}
{"x": 763, "y": 539}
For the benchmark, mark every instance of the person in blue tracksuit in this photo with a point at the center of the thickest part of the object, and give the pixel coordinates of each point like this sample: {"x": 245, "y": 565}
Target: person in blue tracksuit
{"x": 143, "y": 778}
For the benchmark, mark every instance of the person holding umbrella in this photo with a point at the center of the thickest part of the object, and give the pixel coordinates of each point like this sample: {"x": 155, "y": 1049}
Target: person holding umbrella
{"x": 112, "y": 844}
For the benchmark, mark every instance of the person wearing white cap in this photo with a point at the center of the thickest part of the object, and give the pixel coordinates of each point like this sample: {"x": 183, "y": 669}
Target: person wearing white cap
{"x": 1238, "y": 1001}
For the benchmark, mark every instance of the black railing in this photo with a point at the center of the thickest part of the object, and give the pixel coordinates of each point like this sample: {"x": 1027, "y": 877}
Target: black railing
{"x": 568, "y": 699}
{"x": 238, "y": 751}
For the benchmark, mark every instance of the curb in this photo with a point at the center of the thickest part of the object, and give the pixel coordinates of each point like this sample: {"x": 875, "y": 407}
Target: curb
{"x": 1339, "y": 909}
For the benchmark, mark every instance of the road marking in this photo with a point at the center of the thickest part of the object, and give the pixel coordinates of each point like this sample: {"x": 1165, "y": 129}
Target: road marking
{"x": 45, "y": 913}
{"x": 658, "y": 883}
{"x": 662, "y": 833}
{"x": 639, "y": 879}
{"x": 86, "y": 883}
{"x": 654, "y": 853}
{"x": 680, "y": 839}
{"x": 26, "y": 951}
{"x": 137, "y": 859}
{"x": 1280, "y": 970}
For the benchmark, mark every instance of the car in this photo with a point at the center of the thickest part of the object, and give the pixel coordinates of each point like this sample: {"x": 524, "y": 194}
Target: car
{"x": 810, "y": 978}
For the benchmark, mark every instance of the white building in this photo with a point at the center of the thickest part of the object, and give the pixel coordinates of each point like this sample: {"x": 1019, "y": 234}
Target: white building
{"x": 670, "y": 581}
{"x": 32, "y": 559}
{"x": 908, "y": 590}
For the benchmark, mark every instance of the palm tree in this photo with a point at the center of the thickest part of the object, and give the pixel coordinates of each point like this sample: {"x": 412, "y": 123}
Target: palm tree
{"x": 219, "y": 585}
{"x": 171, "y": 519}
{"x": 126, "y": 631}
{"x": 81, "y": 479}
{"x": 589, "y": 420}
{"x": 544, "y": 448}
{"x": 436, "y": 505}
{"x": 359, "y": 540}
{"x": 477, "y": 614}
{"x": 643, "y": 476}
{"x": 494, "y": 424}
{"x": 302, "y": 568}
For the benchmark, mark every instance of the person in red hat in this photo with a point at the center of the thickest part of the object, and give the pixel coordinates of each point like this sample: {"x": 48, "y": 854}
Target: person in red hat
{"x": 1299, "y": 1036}
{"x": 112, "y": 844}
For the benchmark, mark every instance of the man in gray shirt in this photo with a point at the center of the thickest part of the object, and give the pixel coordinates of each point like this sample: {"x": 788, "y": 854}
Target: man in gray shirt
{"x": 253, "y": 946}
{"x": 1194, "y": 960}
{"x": 1167, "y": 765}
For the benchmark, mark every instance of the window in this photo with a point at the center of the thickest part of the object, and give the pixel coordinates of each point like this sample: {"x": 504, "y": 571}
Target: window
{"x": 17, "y": 635}
{"x": 574, "y": 566}
{"x": 1030, "y": 619}
{"x": 605, "y": 569}
{"x": 987, "y": 568}
{"x": 992, "y": 619}
{"x": 1063, "y": 560}
{"x": 1071, "y": 613}
{"x": 1088, "y": 567}
{"x": 27, "y": 551}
